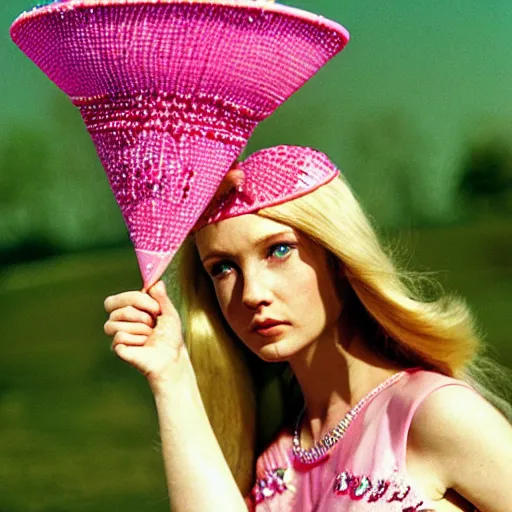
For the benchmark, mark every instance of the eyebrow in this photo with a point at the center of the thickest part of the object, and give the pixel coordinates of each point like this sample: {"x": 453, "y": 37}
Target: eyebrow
{"x": 258, "y": 242}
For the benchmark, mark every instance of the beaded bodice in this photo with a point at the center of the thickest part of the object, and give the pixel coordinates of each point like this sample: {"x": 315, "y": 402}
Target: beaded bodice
{"x": 365, "y": 471}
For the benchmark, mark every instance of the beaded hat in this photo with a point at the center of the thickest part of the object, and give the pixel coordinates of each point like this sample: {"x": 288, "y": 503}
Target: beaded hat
{"x": 170, "y": 92}
{"x": 267, "y": 178}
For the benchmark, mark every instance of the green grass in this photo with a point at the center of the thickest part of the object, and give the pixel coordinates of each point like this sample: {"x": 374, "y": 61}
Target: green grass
{"x": 78, "y": 430}
{"x": 474, "y": 262}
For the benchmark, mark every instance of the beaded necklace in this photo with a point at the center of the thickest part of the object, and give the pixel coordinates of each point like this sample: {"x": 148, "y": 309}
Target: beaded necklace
{"x": 321, "y": 448}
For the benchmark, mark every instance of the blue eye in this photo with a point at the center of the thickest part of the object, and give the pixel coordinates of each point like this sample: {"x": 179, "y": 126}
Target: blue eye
{"x": 280, "y": 250}
{"x": 221, "y": 268}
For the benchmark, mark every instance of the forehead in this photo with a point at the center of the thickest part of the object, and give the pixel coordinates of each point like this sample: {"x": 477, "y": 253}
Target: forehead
{"x": 237, "y": 233}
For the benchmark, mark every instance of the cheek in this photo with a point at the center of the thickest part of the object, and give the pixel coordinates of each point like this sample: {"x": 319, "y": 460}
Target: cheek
{"x": 299, "y": 291}
{"x": 224, "y": 292}
{"x": 223, "y": 297}
{"x": 329, "y": 296}
{"x": 301, "y": 283}
{"x": 221, "y": 293}
{"x": 313, "y": 295}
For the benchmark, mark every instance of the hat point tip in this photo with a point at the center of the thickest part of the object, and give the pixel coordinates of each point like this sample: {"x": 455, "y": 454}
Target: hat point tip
{"x": 152, "y": 266}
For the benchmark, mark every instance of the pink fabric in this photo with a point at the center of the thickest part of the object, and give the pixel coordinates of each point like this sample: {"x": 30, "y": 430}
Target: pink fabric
{"x": 374, "y": 447}
{"x": 170, "y": 92}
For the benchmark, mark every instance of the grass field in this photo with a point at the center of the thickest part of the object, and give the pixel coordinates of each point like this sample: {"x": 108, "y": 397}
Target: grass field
{"x": 77, "y": 427}
{"x": 77, "y": 431}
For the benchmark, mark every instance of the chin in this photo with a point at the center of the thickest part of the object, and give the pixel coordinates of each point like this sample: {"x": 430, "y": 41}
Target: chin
{"x": 277, "y": 351}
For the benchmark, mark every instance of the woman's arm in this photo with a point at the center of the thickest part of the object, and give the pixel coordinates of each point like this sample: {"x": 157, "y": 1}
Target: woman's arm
{"x": 468, "y": 446}
{"x": 198, "y": 476}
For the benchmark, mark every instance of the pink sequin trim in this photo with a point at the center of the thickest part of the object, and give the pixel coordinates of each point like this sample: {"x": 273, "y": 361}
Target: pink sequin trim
{"x": 361, "y": 487}
{"x": 272, "y": 484}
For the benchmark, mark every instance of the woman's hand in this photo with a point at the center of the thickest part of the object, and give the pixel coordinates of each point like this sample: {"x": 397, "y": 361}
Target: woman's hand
{"x": 146, "y": 332}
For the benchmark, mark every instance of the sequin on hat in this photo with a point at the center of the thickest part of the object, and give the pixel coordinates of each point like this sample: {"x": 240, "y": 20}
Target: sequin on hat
{"x": 267, "y": 178}
{"x": 170, "y": 92}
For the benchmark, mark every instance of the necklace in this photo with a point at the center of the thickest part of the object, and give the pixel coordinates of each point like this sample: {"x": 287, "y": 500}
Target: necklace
{"x": 321, "y": 448}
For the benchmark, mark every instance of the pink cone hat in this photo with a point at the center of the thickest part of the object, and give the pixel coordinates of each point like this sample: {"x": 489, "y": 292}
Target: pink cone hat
{"x": 267, "y": 178}
{"x": 170, "y": 92}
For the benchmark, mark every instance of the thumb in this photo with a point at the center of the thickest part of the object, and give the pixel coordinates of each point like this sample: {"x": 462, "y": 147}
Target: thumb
{"x": 159, "y": 293}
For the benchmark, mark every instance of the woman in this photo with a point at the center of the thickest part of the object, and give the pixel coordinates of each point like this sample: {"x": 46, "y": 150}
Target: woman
{"x": 389, "y": 422}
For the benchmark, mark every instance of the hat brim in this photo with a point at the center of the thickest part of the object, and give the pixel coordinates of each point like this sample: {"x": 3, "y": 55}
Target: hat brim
{"x": 171, "y": 89}
{"x": 269, "y": 49}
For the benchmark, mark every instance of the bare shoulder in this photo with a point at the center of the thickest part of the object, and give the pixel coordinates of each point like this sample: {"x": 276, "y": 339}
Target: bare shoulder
{"x": 467, "y": 443}
{"x": 456, "y": 412}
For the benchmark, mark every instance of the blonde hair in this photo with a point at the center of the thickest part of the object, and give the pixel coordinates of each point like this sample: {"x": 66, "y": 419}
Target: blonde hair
{"x": 435, "y": 333}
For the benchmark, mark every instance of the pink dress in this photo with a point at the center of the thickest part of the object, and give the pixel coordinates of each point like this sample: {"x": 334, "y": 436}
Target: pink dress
{"x": 365, "y": 471}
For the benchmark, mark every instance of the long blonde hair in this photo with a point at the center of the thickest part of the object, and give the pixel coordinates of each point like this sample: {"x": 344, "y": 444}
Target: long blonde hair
{"x": 434, "y": 332}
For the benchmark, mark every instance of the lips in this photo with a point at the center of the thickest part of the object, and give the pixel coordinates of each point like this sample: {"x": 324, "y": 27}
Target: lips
{"x": 267, "y": 327}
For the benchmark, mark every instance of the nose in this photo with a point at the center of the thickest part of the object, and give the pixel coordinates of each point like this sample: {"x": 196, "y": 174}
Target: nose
{"x": 256, "y": 291}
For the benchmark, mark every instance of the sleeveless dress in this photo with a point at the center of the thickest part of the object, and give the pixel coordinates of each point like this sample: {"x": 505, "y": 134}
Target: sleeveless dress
{"x": 365, "y": 471}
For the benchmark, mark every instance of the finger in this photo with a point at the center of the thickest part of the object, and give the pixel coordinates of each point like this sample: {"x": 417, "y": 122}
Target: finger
{"x": 131, "y": 314}
{"x": 111, "y": 328}
{"x": 159, "y": 293}
{"x": 125, "y": 338}
{"x": 135, "y": 299}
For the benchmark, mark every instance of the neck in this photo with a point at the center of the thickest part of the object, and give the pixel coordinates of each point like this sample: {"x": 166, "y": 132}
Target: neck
{"x": 334, "y": 373}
